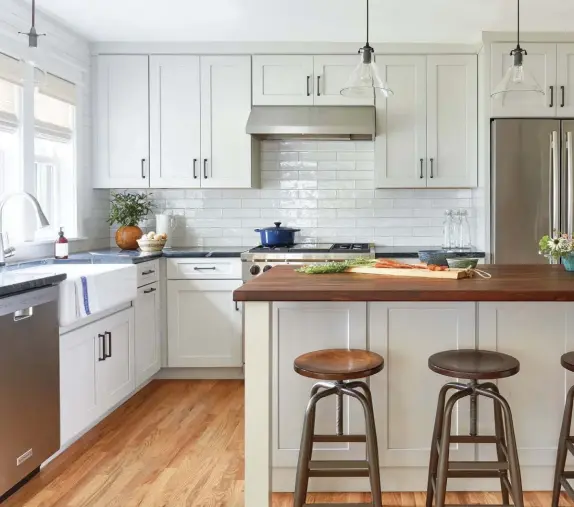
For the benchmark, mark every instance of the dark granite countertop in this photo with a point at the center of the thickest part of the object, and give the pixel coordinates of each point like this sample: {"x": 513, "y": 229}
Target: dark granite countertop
{"x": 13, "y": 282}
{"x": 205, "y": 251}
{"x": 413, "y": 251}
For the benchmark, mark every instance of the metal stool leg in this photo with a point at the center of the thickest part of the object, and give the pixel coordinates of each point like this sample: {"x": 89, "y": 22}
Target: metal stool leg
{"x": 501, "y": 441}
{"x": 442, "y": 471}
{"x": 433, "y": 461}
{"x": 562, "y": 448}
{"x": 302, "y": 477}
{"x": 513, "y": 462}
{"x": 372, "y": 445}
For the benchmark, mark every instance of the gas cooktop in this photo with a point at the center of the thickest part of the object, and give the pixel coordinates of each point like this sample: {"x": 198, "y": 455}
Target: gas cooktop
{"x": 309, "y": 251}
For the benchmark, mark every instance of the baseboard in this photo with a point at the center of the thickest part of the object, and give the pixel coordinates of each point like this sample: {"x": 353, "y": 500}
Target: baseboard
{"x": 200, "y": 373}
{"x": 409, "y": 479}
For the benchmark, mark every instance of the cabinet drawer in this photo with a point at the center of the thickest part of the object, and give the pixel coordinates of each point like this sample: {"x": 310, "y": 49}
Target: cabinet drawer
{"x": 204, "y": 269}
{"x": 148, "y": 272}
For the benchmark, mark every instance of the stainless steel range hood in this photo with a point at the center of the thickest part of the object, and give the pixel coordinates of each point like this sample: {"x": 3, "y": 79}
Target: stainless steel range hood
{"x": 312, "y": 122}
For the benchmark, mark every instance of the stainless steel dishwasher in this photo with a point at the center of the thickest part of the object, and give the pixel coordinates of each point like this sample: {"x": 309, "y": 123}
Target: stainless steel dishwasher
{"x": 29, "y": 384}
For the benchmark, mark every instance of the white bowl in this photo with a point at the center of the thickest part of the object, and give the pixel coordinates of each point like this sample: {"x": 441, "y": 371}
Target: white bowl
{"x": 151, "y": 245}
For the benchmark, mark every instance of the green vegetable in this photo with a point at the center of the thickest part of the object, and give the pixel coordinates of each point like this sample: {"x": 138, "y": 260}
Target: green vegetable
{"x": 335, "y": 267}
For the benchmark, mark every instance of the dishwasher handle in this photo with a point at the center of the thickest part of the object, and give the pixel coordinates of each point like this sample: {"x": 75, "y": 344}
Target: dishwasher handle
{"x": 23, "y": 314}
{"x": 102, "y": 347}
{"x": 108, "y": 353}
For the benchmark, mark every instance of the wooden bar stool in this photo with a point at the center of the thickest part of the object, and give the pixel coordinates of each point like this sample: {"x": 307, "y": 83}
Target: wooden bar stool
{"x": 565, "y": 442}
{"x": 338, "y": 370}
{"x": 474, "y": 365}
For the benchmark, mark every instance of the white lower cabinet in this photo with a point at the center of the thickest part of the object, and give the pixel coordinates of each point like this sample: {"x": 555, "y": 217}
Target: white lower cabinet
{"x": 300, "y": 328}
{"x": 96, "y": 370}
{"x": 148, "y": 335}
{"x": 204, "y": 324}
{"x": 537, "y": 334}
{"x": 406, "y": 391}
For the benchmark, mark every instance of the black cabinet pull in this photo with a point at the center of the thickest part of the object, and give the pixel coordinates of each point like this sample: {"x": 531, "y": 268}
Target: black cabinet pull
{"x": 149, "y": 291}
{"x": 236, "y": 306}
{"x": 102, "y": 347}
{"x": 318, "y": 86}
{"x": 200, "y": 269}
{"x": 150, "y": 272}
{"x": 205, "y": 168}
{"x": 421, "y": 176}
{"x": 109, "y": 352}
{"x": 194, "y": 168}
{"x": 562, "y": 90}
{"x": 432, "y": 167}
{"x": 308, "y": 89}
{"x": 551, "y": 96}
{"x": 143, "y": 168}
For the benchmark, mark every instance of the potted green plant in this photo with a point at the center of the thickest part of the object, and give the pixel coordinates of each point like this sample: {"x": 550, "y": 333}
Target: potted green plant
{"x": 128, "y": 210}
{"x": 558, "y": 246}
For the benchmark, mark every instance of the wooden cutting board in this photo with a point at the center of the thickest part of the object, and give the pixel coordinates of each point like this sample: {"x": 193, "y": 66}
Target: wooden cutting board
{"x": 451, "y": 274}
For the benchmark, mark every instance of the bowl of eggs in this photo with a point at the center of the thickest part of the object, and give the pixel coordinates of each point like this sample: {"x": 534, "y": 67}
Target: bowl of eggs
{"x": 152, "y": 242}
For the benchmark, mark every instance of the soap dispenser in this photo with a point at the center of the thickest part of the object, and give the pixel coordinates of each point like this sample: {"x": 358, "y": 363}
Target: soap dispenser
{"x": 61, "y": 246}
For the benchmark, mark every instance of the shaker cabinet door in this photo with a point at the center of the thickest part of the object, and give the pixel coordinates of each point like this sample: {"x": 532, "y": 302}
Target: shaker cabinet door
{"x": 400, "y": 145}
{"x": 283, "y": 80}
{"x": 147, "y": 333}
{"x": 225, "y": 107}
{"x": 565, "y": 80}
{"x": 175, "y": 121}
{"x": 452, "y": 121}
{"x": 121, "y": 117}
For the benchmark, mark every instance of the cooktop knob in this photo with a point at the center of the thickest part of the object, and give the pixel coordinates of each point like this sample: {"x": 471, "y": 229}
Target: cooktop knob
{"x": 267, "y": 268}
{"x": 255, "y": 269}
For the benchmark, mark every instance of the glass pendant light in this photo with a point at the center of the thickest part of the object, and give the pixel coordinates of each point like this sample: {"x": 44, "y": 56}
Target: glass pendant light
{"x": 365, "y": 78}
{"x": 30, "y": 57}
{"x": 517, "y": 78}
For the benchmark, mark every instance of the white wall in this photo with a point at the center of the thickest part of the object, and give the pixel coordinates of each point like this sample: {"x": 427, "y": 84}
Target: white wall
{"x": 326, "y": 189}
{"x": 65, "y": 54}
{"x": 306, "y": 20}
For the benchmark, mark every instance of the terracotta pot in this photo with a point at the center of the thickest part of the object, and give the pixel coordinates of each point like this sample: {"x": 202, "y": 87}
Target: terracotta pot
{"x": 127, "y": 236}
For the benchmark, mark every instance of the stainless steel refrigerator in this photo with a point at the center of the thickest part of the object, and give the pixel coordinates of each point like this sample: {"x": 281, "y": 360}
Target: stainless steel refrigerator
{"x": 532, "y": 186}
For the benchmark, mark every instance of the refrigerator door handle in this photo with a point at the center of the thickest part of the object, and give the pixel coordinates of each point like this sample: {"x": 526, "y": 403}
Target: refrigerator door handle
{"x": 555, "y": 183}
{"x": 570, "y": 169}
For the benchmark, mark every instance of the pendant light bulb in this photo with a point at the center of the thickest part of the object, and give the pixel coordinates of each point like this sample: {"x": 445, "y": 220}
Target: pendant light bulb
{"x": 517, "y": 78}
{"x": 365, "y": 79}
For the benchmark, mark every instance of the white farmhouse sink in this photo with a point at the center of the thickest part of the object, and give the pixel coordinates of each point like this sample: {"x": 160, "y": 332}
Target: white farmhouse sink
{"x": 116, "y": 284}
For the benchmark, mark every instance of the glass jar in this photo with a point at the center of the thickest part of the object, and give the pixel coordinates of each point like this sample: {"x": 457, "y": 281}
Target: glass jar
{"x": 456, "y": 228}
{"x": 447, "y": 237}
{"x": 465, "y": 240}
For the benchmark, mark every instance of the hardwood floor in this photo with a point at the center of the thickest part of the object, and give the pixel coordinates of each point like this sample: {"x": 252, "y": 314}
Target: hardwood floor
{"x": 177, "y": 443}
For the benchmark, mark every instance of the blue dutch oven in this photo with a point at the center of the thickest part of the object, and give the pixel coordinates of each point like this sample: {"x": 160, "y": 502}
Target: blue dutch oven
{"x": 277, "y": 236}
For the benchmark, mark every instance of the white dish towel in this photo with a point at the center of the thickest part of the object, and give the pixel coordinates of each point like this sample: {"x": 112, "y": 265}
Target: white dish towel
{"x": 87, "y": 302}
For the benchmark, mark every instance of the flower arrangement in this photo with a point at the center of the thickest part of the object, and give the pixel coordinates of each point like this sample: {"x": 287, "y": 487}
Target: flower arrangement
{"x": 557, "y": 245}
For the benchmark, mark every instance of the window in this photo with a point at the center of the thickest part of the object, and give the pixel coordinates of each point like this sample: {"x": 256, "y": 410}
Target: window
{"x": 11, "y": 174}
{"x": 54, "y": 150}
{"x": 37, "y": 151}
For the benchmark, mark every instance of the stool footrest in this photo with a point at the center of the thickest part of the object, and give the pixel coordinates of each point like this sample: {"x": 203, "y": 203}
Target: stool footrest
{"x": 473, "y": 474}
{"x": 468, "y": 439}
{"x": 340, "y": 468}
{"x": 342, "y": 505}
{"x": 570, "y": 445}
{"x": 568, "y": 474}
{"x": 339, "y": 438}
{"x": 566, "y": 485}
{"x": 477, "y": 465}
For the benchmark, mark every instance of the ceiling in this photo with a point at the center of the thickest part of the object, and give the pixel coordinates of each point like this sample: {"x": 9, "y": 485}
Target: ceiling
{"x": 303, "y": 20}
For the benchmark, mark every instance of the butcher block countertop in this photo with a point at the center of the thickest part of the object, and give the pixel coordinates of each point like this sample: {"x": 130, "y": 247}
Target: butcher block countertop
{"x": 508, "y": 283}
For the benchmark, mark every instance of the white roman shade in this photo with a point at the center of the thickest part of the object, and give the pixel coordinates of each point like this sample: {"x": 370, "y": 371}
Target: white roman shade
{"x": 54, "y": 108}
{"x": 10, "y": 82}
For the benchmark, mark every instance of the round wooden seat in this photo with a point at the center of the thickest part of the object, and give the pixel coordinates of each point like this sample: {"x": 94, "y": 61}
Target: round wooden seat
{"x": 567, "y": 361}
{"x": 339, "y": 364}
{"x": 474, "y": 364}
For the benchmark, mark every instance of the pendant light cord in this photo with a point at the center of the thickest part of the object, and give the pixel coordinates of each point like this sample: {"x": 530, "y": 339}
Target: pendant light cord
{"x": 367, "y": 22}
{"x": 33, "y": 13}
{"x": 517, "y": 23}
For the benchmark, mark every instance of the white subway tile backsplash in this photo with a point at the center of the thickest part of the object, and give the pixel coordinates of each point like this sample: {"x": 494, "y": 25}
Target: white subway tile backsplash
{"x": 325, "y": 188}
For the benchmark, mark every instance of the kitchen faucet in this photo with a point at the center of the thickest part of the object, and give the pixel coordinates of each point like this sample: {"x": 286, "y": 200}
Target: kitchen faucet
{"x": 10, "y": 250}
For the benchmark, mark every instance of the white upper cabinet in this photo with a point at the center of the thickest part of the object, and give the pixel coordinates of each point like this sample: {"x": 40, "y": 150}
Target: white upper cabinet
{"x": 225, "y": 107}
{"x": 122, "y": 122}
{"x": 175, "y": 123}
{"x": 400, "y": 145}
{"x": 282, "y": 80}
{"x": 541, "y": 63}
{"x": 565, "y": 80}
{"x": 331, "y": 73}
{"x": 303, "y": 80}
{"x": 452, "y": 121}
{"x": 427, "y": 131}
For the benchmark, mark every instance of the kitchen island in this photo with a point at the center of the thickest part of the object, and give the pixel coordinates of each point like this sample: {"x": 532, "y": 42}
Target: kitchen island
{"x": 525, "y": 311}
